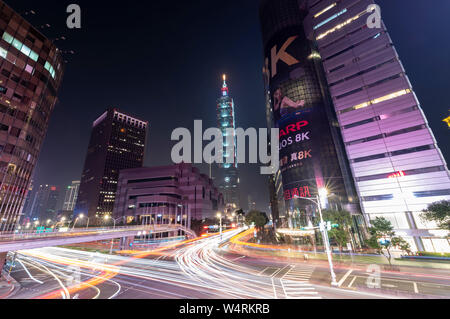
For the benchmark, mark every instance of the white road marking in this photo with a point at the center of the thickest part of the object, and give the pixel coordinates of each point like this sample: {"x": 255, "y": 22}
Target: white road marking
{"x": 274, "y": 289}
{"x": 239, "y": 258}
{"x": 345, "y": 277}
{"x": 416, "y": 290}
{"x": 351, "y": 283}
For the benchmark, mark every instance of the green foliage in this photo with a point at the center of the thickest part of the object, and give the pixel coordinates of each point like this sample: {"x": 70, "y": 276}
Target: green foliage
{"x": 343, "y": 218}
{"x": 429, "y": 254}
{"x": 240, "y": 211}
{"x": 382, "y": 228}
{"x": 438, "y": 212}
{"x": 259, "y": 218}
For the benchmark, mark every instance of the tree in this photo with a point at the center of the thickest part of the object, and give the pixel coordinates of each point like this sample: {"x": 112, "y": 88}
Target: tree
{"x": 438, "y": 212}
{"x": 383, "y": 239}
{"x": 260, "y": 219}
{"x": 340, "y": 234}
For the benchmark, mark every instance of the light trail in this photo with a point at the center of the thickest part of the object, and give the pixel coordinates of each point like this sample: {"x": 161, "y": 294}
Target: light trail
{"x": 28, "y": 273}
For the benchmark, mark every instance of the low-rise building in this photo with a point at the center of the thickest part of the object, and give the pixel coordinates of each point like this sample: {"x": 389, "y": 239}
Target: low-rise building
{"x": 166, "y": 195}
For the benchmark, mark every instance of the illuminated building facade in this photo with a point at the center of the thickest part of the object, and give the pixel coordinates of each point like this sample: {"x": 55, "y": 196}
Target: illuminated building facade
{"x": 311, "y": 151}
{"x": 31, "y": 70}
{"x": 396, "y": 165}
{"x": 45, "y": 203}
{"x": 228, "y": 173}
{"x": 174, "y": 194}
{"x": 70, "y": 199}
{"x": 117, "y": 142}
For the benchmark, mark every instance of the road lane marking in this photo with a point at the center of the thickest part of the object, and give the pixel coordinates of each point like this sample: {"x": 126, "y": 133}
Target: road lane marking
{"x": 274, "y": 289}
{"x": 279, "y": 271}
{"x": 261, "y": 272}
{"x": 416, "y": 289}
{"x": 351, "y": 283}
{"x": 239, "y": 258}
{"x": 345, "y": 277}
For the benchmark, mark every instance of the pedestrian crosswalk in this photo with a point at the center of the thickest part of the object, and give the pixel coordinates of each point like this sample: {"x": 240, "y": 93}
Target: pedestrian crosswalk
{"x": 295, "y": 283}
{"x": 297, "y": 273}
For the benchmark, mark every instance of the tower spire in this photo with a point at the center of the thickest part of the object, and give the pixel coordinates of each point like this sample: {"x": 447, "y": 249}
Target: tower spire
{"x": 224, "y": 86}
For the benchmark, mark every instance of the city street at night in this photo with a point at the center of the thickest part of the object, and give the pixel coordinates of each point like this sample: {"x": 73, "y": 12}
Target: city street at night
{"x": 202, "y": 270}
{"x": 224, "y": 159}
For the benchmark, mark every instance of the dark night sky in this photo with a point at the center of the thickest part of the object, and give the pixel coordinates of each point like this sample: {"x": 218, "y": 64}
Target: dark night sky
{"x": 162, "y": 61}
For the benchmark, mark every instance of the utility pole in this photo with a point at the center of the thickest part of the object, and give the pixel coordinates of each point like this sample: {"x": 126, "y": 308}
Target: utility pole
{"x": 327, "y": 243}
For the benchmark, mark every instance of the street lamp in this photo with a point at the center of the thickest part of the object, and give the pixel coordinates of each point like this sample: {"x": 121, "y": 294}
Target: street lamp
{"x": 107, "y": 217}
{"x": 81, "y": 216}
{"x": 323, "y": 193}
{"x": 219, "y": 215}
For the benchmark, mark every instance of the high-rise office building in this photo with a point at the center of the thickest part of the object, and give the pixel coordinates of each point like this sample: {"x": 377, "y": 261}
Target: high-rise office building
{"x": 117, "y": 142}
{"x": 45, "y": 203}
{"x": 311, "y": 151}
{"x": 395, "y": 163}
{"x": 31, "y": 70}
{"x": 228, "y": 180}
{"x": 70, "y": 197}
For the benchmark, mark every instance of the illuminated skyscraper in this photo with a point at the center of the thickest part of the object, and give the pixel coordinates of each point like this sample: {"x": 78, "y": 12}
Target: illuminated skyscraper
{"x": 393, "y": 158}
{"x": 228, "y": 182}
{"x": 31, "y": 71}
{"x": 117, "y": 142}
{"x": 45, "y": 203}
{"x": 70, "y": 198}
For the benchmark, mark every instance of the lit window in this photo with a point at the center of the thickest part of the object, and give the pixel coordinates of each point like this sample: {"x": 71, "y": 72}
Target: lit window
{"x": 33, "y": 56}
{"x": 17, "y": 44}
{"x": 7, "y": 37}
{"x": 330, "y": 19}
{"x": 340, "y": 26}
{"x": 29, "y": 69}
{"x": 325, "y": 10}
{"x": 3, "y": 53}
{"x": 25, "y": 50}
{"x": 376, "y": 101}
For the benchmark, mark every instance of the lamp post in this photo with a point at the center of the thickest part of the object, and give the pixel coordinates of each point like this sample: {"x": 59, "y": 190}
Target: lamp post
{"x": 107, "y": 217}
{"x": 219, "y": 215}
{"x": 81, "y": 216}
{"x": 323, "y": 193}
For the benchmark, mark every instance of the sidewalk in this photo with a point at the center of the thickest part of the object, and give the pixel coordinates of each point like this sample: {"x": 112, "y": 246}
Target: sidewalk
{"x": 355, "y": 259}
{"x": 8, "y": 286}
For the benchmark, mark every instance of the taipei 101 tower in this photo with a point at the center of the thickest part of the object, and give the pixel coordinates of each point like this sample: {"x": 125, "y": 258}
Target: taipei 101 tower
{"x": 228, "y": 179}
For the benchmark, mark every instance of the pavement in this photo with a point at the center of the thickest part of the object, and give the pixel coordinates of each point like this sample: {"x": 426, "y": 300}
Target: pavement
{"x": 208, "y": 269}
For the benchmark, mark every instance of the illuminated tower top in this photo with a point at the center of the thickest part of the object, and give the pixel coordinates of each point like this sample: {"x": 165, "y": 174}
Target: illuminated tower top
{"x": 224, "y": 86}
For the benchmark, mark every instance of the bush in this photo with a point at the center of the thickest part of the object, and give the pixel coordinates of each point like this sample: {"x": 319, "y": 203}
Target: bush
{"x": 428, "y": 254}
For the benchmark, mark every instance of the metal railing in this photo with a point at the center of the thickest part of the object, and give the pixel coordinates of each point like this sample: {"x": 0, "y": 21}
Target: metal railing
{"x": 33, "y": 234}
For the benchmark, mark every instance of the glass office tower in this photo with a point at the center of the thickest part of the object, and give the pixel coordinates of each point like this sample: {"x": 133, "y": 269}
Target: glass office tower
{"x": 31, "y": 71}
{"x": 117, "y": 142}
{"x": 228, "y": 173}
{"x": 311, "y": 151}
{"x": 396, "y": 163}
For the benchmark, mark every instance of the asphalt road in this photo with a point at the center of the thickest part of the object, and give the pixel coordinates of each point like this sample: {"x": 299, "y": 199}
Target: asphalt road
{"x": 204, "y": 269}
